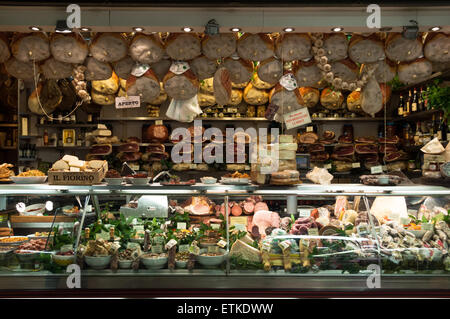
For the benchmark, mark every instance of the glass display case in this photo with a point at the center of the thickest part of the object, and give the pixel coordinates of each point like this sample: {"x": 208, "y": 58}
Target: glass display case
{"x": 347, "y": 237}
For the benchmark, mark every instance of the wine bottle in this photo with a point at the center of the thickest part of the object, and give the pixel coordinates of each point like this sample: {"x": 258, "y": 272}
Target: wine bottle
{"x": 442, "y": 129}
{"x": 400, "y": 106}
{"x": 420, "y": 102}
{"x": 407, "y": 108}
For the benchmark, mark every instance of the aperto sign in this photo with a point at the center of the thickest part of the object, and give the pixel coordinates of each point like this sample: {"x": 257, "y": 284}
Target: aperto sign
{"x": 128, "y": 102}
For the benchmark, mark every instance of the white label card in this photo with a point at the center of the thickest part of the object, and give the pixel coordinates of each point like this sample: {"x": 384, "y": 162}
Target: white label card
{"x": 313, "y": 232}
{"x": 376, "y": 169}
{"x": 222, "y": 243}
{"x": 215, "y": 226}
{"x": 171, "y": 243}
{"x": 285, "y": 244}
{"x": 304, "y": 212}
{"x": 327, "y": 166}
{"x": 310, "y": 129}
{"x": 128, "y": 102}
{"x": 183, "y": 248}
{"x": 356, "y": 165}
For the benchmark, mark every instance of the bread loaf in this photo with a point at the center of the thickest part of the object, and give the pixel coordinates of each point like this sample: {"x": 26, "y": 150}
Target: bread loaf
{"x": 255, "y": 47}
{"x": 69, "y": 48}
{"x": 146, "y": 48}
{"x": 29, "y": 47}
{"x": 108, "y": 47}
{"x": 219, "y": 46}
{"x": 183, "y": 46}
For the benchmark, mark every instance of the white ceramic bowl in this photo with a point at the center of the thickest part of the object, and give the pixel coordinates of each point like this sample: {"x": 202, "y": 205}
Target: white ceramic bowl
{"x": 210, "y": 261}
{"x": 63, "y": 260}
{"x": 114, "y": 181}
{"x": 154, "y": 263}
{"x": 140, "y": 181}
{"x": 29, "y": 179}
{"x": 98, "y": 262}
{"x": 34, "y": 210}
{"x": 125, "y": 263}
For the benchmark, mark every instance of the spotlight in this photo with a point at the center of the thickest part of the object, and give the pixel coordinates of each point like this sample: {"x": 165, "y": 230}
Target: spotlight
{"x": 288, "y": 29}
{"x": 187, "y": 29}
{"x": 435, "y": 28}
{"x": 235, "y": 29}
{"x": 138, "y": 29}
{"x": 35, "y": 28}
{"x": 337, "y": 29}
{"x": 85, "y": 29}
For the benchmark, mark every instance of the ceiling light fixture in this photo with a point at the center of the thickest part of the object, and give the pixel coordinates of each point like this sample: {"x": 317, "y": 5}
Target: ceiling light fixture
{"x": 85, "y": 29}
{"x": 33, "y": 28}
{"x": 337, "y": 29}
{"x": 61, "y": 27}
{"x": 288, "y": 29}
{"x": 411, "y": 32}
{"x": 436, "y": 28}
{"x": 235, "y": 29}
{"x": 187, "y": 29}
{"x": 212, "y": 27}
{"x": 138, "y": 29}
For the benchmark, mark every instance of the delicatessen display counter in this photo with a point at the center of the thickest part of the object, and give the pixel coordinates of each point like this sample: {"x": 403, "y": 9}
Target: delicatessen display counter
{"x": 257, "y": 149}
{"x": 193, "y": 237}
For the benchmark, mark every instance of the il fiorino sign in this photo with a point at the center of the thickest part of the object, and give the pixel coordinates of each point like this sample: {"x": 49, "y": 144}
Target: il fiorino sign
{"x": 297, "y": 118}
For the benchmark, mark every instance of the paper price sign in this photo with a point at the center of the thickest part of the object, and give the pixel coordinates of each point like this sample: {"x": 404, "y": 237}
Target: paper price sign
{"x": 128, "y": 102}
{"x": 356, "y": 165}
{"x": 215, "y": 226}
{"x": 304, "y": 212}
{"x": 234, "y": 220}
{"x": 222, "y": 243}
{"x": 327, "y": 166}
{"x": 376, "y": 169}
{"x": 171, "y": 243}
{"x": 297, "y": 118}
{"x": 313, "y": 232}
{"x": 157, "y": 249}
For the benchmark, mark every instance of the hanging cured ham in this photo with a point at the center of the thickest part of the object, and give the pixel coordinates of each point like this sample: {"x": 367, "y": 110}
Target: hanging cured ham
{"x": 366, "y": 49}
{"x": 335, "y": 46}
{"x": 4, "y": 48}
{"x": 293, "y": 46}
{"x": 68, "y": 48}
{"x": 146, "y": 48}
{"x": 109, "y": 47}
{"x": 183, "y": 47}
{"x": 240, "y": 70}
{"x": 123, "y": 67}
{"x": 181, "y": 87}
{"x": 96, "y": 70}
{"x": 146, "y": 86}
{"x": 203, "y": 67}
{"x": 400, "y": 49}
{"x": 20, "y": 70}
{"x": 222, "y": 86}
{"x": 346, "y": 69}
{"x": 219, "y": 46}
{"x": 371, "y": 97}
{"x": 54, "y": 69}
{"x": 308, "y": 74}
{"x": 29, "y": 47}
{"x": 415, "y": 71}
{"x": 255, "y": 47}
{"x": 437, "y": 47}
{"x": 270, "y": 70}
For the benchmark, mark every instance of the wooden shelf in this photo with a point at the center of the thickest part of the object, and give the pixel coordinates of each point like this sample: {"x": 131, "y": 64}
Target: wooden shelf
{"x": 143, "y": 118}
{"x": 8, "y": 125}
{"x": 418, "y": 115}
{"x": 69, "y": 125}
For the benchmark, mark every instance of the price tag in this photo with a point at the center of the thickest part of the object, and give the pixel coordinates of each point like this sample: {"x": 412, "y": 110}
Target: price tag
{"x": 213, "y": 249}
{"x": 285, "y": 244}
{"x": 356, "y": 165}
{"x": 103, "y": 235}
{"x": 327, "y": 166}
{"x": 304, "y": 212}
{"x": 427, "y": 226}
{"x": 238, "y": 220}
{"x": 215, "y": 226}
{"x": 181, "y": 225}
{"x": 133, "y": 246}
{"x": 196, "y": 229}
{"x": 194, "y": 250}
{"x": 240, "y": 227}
{"x": 376, "y": 169}
{"x": 171, "y": 243}
{"x": 128, "y": 102}
{"x": 310, "y": 129}
{"x": 157, "y": 249}
{"x": 405, "y": 220}
{"x": 313, "y": 232}
{"x": 222, "y": 243}
{"x": 183, "y": 248}
{"x": 159, "y": 122}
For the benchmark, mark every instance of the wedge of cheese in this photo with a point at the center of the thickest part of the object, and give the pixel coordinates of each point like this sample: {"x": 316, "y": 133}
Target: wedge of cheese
{"x": 60, "y": 165}
{"x": 288, "y": 146}
{"x": 286, "y": 139}
{"x": 244, "y": 251}
{"x": 286, "y": 155}
{"x": 95, "y": 164}
{"x": 77, "y": 163}
{"x": 69, "y": 158}
{"x": 102, "y": 132}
